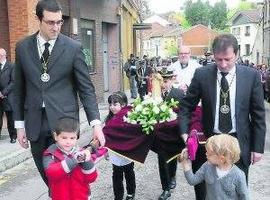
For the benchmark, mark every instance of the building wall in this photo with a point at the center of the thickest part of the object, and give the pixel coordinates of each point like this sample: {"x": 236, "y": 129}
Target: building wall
{"x": 256, "y": 55}
{"x": 198, "y": 39}
{"x": 129, "y": 16}
{"x": 243, "y": 39}
{"x": 4, "y": 28}
{"x": 266, "y": 33}
{"x": 102, "y": 11}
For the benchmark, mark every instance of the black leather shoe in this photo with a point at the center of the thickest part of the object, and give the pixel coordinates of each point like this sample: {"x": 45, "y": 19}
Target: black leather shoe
{"x": 165, "y": 195}
{"x": 130, "y": 197}
{"x": 172, "y": 183}
{"x": 12, "y": 140}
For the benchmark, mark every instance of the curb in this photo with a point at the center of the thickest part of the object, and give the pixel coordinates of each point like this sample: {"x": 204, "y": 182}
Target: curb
{"x": 14, "y": 159}
{"x": 21, "y": 155}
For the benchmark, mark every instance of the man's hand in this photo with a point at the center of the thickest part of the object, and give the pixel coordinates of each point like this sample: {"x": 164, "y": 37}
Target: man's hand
{"x": 184, "y": 137}
{"x": 1, "y": 95}
{"x": 98, "y": 134}
{"x": 255, "y": 157}
{"x": 183, "y": 87}
{"x": 21, "y": 137}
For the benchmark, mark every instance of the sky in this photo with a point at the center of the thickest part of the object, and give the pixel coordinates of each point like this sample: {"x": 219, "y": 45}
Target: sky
{"x": 162, "y": 6}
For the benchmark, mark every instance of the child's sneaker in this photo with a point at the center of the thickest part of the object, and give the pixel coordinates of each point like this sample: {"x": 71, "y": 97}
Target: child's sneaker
{"x": 98, "y": 154}
{"x": 130, "y": 197}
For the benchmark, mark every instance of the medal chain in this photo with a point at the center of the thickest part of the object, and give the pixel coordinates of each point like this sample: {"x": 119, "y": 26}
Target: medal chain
{"x": 225, "y": 94}
{"x": 44, "y": 63}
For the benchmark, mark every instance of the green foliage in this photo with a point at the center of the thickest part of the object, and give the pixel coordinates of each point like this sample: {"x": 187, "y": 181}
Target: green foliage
{"x": 198, "y": 12}
{"x": 243, "y": 5}
{"x": 172, "y": 50}
{"x": 218, "y": 15}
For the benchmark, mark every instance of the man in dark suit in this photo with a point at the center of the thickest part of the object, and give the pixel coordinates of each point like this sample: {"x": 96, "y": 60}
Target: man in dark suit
{"x": 6, "y": 86}
{"x": 167, "y": 171}
{"x": 232, "y": 103}
{"x": 143, "y": 74}
{"x": 50, "y": 73}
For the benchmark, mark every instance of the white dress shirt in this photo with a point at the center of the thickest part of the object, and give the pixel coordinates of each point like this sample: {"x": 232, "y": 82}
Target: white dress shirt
{"x": 231, "y": 76}
{"x": 185, "y": 75}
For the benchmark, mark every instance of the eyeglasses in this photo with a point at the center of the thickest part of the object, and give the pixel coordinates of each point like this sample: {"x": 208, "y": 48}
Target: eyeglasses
{"x": 53, "y": 23}
{"x": 184, "y": 53}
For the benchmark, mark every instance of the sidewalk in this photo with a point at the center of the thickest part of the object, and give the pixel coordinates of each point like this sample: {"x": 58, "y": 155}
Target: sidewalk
{"x": 13, "y": 154}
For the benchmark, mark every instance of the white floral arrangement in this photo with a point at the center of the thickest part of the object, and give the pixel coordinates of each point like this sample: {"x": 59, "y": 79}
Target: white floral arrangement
{"x": 151, "y": 111}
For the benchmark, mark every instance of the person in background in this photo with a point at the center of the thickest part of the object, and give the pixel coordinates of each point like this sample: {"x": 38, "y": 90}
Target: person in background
{"x": 130, "y": 69}
{"x": 223, "y": 179}
{"x": 144, "y": 72}
{"x": 208, "y": 59}
{"x": 69, "y": 169}
{"x": 6, "y": 87}
{"x": 167, "y": 171}
{"x": 184, "y": 68}
{"x": 50, "y": 74}
{"x": 122, "y": 167}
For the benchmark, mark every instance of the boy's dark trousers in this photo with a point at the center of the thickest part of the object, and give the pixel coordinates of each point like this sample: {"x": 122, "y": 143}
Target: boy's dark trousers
{"x": 166, "y": 171}
{"x": 118, "y": 174}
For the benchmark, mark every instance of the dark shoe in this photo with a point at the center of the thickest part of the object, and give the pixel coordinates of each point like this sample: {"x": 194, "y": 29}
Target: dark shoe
{"x": 130, "y": 197}
{"x": 12, "y": 140}
{"x": 172, "y": 183}
{"x": 165, "y": 195}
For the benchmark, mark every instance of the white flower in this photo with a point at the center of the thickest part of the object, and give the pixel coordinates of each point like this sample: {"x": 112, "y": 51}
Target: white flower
{"x": 138, "y": 108}
{"x": 156, "y": 110}
{"x": 151, "y": 111}
{"x": 163, "y": 107}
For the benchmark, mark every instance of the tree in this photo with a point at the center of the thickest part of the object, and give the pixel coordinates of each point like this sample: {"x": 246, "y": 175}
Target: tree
{"x": 145, "y": 10}
{"x": 198, "y": 12}
{"x": 243, "y": 5}
{"x": 218, "y": 15}
{"x": 180, "y": 19}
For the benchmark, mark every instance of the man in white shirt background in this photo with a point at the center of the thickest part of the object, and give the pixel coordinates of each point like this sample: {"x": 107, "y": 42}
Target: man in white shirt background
{"x": 184, "y": 68}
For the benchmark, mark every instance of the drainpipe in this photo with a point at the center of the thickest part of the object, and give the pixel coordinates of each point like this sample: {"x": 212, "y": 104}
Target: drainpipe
{"x": 121, "y": 64}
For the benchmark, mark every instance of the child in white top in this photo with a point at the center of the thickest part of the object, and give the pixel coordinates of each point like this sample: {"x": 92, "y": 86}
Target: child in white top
{"x": 121, "y": 166}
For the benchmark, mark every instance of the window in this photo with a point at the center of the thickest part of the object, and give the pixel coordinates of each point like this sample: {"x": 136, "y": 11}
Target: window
{"x": 247, "y": 33}
{"x": 87, "y": 40}
{"x": 247, "y": 49}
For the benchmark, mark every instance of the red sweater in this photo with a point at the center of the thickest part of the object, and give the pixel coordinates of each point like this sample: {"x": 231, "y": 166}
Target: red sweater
{"x": 67, "y": 179}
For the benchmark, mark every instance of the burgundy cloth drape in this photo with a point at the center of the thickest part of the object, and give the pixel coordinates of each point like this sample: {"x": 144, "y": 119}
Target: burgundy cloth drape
{"x": 129, "y": 140}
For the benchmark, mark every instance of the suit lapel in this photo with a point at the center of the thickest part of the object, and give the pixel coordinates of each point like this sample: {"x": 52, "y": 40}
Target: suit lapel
{"x": 34, "y": 51}
{"x": 212, "y": 88}
{"x": 240, "y": 83}
{"x": 58, "y": 49}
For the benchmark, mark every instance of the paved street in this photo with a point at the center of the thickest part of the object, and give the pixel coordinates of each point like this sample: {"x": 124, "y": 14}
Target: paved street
{"x": 23, "y": 182}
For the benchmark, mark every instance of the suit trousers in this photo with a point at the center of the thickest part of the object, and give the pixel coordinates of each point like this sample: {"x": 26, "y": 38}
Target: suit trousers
{"x": 118, "y": 175}
{"x": 38, "y": 147}
{"x": 10, "y": 124}
{"x": 167, "y": 171}
{"x": 200, "y": 190}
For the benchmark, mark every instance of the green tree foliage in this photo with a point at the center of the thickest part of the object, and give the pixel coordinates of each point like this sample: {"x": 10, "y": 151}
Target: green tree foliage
{"x": 243, "y": 5}
{"x": 218, "y": 15}
{"x": 180, "y": 19}
{"x": 197, "y": 12}
{"x": 172, "y": 50}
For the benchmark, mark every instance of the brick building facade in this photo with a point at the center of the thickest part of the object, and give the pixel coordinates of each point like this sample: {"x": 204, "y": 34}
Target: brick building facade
{"x": 199, "y": 38}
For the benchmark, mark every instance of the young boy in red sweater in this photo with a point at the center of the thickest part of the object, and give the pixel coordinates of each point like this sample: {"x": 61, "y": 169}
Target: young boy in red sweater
{"x": 69, "y": 169}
